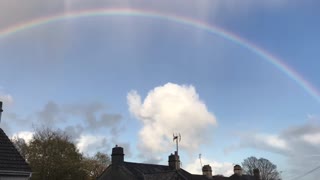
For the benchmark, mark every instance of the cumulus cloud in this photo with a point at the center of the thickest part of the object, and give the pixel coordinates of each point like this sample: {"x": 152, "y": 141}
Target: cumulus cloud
{"x": 90, "y": 144}
{"x": 300, "y": 145}
{"x": 218, "y": 168}
{"x": 26, "y": 135}
{"x": 313, "y": 139}
{"x": 167, "y": 109}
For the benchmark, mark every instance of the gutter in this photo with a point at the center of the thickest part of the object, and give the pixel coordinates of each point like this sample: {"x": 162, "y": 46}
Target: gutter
{"x": 15, "y": 173}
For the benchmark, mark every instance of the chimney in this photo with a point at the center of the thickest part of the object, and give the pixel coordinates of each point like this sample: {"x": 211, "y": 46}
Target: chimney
{"x": 117, "y": 156}
{"x": 207, "y": 171}
{"x": 174, "y": 161}
{"x": 1, "y": 110}
{"x": 256, "y": 174}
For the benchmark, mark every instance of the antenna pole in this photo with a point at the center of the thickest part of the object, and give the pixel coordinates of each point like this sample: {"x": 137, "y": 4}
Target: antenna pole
{"x": 177, "y": 138}
{"x": 177, "y": 142}
{"x": 1, "y": 110}
{"x": 200, "y": 160}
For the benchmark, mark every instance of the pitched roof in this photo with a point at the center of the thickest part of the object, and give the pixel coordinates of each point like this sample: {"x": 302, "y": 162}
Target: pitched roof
{"x": 170, "y": 175}
{"x": 149, "y": 171}
{"x": 145, "y": 168}
{"x": 10, "y": 158}
{"x": 143, "y": 171}
{"x": 140, "y": 170}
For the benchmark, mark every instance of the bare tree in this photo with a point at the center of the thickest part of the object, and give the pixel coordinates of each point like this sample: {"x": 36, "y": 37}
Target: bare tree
{"x": 268, "y": 170}
{"x": 95, "y": 165}
{"x": 21, "y": 145}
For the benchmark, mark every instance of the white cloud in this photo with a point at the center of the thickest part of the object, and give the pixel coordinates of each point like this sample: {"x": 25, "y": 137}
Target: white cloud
{"x": 274, "y": 141}
{"x": 90, "y": 144}
{"x": 26, "y": 135}
{"x": 85, "y": 143}
{"x": 167, "y": 109}
{"x": 269, "y": 142}
{"x": 299, "y": 144}
{"x": 218, "y": 168}
{"x": 313, "y": 139}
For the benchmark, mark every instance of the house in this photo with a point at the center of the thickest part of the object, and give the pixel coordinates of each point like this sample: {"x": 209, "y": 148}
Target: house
{"x": 122, "y": 170}
{"x": 12, "y": 165}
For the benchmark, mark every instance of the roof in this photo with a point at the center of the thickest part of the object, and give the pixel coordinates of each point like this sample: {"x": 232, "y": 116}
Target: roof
{"x": 170, "y": 175}
{"x": 153, "y": 171}
{"x": 10, "y": 158}
{"x": 141, "y": 168}
{"x": 148, "y": 171}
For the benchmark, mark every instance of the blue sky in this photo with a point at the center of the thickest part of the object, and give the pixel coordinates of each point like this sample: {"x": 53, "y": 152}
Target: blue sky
{"x": 79, "y": 75}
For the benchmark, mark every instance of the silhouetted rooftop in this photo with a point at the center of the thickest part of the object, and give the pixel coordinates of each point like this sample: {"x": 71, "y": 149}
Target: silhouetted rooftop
{"x": 10, "y": 158}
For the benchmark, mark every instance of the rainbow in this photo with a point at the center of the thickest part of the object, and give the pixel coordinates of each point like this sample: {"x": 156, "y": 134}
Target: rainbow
{"x": 276, "y": 62}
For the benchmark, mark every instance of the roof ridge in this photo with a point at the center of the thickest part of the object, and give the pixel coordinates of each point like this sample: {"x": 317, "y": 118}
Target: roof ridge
{"x": 146, "y": 164}
{"x": 161, "y": 172}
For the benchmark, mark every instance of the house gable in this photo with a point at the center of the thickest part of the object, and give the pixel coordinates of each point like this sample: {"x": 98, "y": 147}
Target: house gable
{"x": 11, "y": 162}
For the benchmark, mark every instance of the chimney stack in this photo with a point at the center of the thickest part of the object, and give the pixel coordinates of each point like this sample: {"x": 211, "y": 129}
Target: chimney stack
{"x": 174, "y": 161}
{"x": 207, "y": 171}
{"x": 256, "y": 174}
{"x": 117, "y": 156}
{"x": 1, "y": 110}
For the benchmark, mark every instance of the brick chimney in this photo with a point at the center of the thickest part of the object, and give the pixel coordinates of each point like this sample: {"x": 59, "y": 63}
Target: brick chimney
{"x": 174, "y": 161}
{"x": 1, "y": 110}
{"x": 207, "y": 171}
{"x": 117, "y": 156}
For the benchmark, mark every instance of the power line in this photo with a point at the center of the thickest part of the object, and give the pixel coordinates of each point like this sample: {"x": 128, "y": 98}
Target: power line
{"x": 307, "y": 173}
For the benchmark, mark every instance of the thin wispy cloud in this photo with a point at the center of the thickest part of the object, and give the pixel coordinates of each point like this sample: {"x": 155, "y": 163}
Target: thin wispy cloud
{"x": 78, "y": 120}
{"x": 299, "y": 144}
{"x": 6, "y": 98}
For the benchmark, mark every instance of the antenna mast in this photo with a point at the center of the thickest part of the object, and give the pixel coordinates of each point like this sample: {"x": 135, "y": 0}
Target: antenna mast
{"x": 1, "y": 110}
{"x": 177, "y": 138}
{"x": 200, "y": 160}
